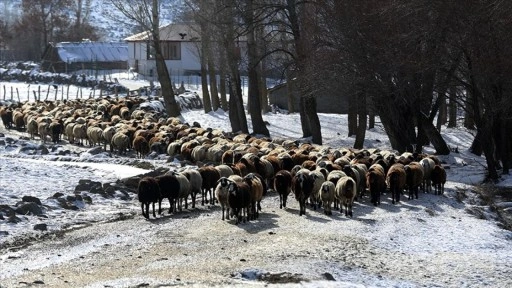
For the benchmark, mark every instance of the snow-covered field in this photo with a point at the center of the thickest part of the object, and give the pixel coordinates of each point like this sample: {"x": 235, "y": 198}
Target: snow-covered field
{"x": 101, "y": 240}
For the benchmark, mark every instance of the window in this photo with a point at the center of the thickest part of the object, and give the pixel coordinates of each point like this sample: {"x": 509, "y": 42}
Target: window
{"x": 170, "y": 51}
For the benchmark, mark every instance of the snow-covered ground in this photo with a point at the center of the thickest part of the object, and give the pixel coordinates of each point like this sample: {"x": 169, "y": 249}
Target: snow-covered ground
{"x": 433, "y": 241}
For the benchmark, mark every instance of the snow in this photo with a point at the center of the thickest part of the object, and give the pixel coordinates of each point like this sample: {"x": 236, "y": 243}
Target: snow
{"x": 432, "y": 226}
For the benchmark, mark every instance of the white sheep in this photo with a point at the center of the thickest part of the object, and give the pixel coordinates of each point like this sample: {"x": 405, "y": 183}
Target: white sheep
{"x": 196, "y": 182}
{"x": 327, "y": 194}
{"x": 345, "y": 192}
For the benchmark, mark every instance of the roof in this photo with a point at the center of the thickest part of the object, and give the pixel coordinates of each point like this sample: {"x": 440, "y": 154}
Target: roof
{"x": 170, "y": 32}
{"x": 92, "y": 51}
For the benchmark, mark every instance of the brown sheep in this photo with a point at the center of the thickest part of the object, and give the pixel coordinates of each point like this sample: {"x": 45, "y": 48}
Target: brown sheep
{"x": 438, "y": 177}
{"x": 346, "y": 191}
{"x": 6, "y": 115}
{"x": 141, "y": 146}
{"x": 395, "y": 180}
{"x": 256, "y": 194}
{"x": 414, "y": 178}
{"x": 376, "y": 183}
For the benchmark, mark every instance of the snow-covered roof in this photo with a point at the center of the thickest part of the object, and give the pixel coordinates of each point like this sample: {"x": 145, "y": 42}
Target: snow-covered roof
{"x": 170, "y": 32}
{"x": 92, "y": 51}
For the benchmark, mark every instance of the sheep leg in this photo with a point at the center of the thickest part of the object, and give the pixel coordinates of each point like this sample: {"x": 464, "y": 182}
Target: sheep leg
{"x": 222, "y": 207}
{"x": 193, "y": 196}
{"x": 186, "y": 202}
{"x": 281, "y": 201}
{"x": 160, "y": 206}
{"x": 142, "y": 207}
{"x": 153, "y": 204}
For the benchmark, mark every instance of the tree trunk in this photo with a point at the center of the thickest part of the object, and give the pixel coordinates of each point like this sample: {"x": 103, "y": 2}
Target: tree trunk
{"x": 312, "y": 119}
{"x": 361, "y": 125}
{"x": 207, "y": 105}
{"x": 399, "y": 127}
{"x": 222, "y": 91}
{"x": 171, "y": 105}
{"x": 452, "y": 108}
{"x": 254, "y": 95}
{"x": 433, "y": 135}
{"x": 441, "y": 118}
{"x": 290, "y": 89}
{"x": 213, "y": 81}
{"x": 352, "y": 116}
{"x": 233, "y": 110}
{"x": 306, "y": 130}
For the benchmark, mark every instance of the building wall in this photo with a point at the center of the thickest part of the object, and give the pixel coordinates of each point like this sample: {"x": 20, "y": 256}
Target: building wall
{"x": 188, "y": 65}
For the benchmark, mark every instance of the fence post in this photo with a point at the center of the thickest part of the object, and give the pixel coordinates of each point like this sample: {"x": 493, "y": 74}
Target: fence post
{"x": 18, "y": 93}
{"x": 12, "y": 93}
{"x": 67, "y": 93}
{"x": 4, "y": 92}
{"x": 38, "y": 93}
{"x": 28, "y": 94}
{"x": 56, "y": 92}
{"x": 47, "y": 93}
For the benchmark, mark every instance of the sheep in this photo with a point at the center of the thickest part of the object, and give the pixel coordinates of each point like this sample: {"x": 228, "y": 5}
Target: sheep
{"x": 265, "y": 169}
{"x": 345, "y": 191}
{"x": 414, "y": 178}
{"x": 68, "y": 131}
{"x": 18, "y": 119}
{"x": 438, "y": 177}
{"x": 184, "y": 190}
{"x": 302, "y": 185}
{"x": 376, "y": 183}
{"x": 283, "y": 186}
{"x": 327, "y": 194}
{"x": 224, "y": 170}
{"x": 169, "y": 188}
{"x": 256, "y": 185}
{"x": 148, "y": 192}
{"x": 198, "y": 153}
{"x": 196, "y": 182}
{"x": 108, "y": 134}
{"x": 318, "y": 179}
{"x": 210, "y": 177}
{"x": 57, "y": 128}
{"x": 221, "y": 193}
{"x": 121, "y": 142}
{"x": 239, "y": 198}
{"x": 80, "y": 132}
{"x": 32, "y": 127}
{"x": 141, "y": 146}
{"x": 6, "y": 115}
{"x": 428, "y": 165}
{"x": 95, "y": 135}
{"x": 174, "y": 148}
{"x": 395, "y": 180}
{"x": 44, "y": 130}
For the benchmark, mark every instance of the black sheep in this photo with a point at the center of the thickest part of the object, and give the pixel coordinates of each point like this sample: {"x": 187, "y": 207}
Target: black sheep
{"x": 283, "y": 186}
{"x": 148, "y": 192}
{"x": 169, "y": 188}
{"x": 239, "y": 199}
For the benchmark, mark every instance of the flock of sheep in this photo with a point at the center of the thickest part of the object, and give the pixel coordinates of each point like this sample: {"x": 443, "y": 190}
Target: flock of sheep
{"x": 240, "y": 168}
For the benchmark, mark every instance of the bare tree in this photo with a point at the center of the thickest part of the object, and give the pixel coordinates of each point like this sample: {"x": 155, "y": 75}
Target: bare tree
{"x": 146, "y": 14}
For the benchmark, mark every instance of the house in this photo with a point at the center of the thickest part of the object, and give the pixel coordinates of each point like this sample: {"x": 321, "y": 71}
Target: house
{"x": 180, "y": 44}
{"x": 67, "y": 57}
{"x": 179, "y": 48}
